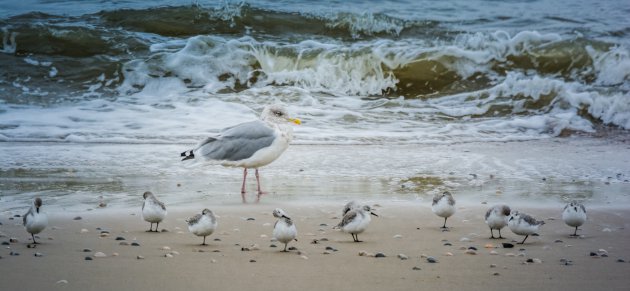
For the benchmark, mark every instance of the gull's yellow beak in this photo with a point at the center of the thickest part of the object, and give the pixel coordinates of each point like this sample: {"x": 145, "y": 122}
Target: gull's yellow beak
{"x": 295, "y": 120}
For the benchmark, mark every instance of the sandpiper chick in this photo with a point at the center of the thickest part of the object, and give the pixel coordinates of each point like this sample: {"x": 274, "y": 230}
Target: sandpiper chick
{"x": 443, "y": 206}
{"x": 356, "y": 221}
{"x": 574, "y": 215}
{"x": 35, "y": 220}
{"x": 284, "y": 230}
{"x": 153, "y": 211}
{"x": 523, "y": 224}
{"x": 497, "y": 218}
{"x": 202, "y": 224}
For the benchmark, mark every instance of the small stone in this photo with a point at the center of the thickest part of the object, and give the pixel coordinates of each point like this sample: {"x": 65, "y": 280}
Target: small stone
{"x": 471, "y": 252}
{"x": 472, "y": 248}
{"x": 304, "y": 257}
{"x": 252, "y": 261}
{"x": 165, "y": 230}
{"x": 448, "y": 254}
{"x": 5, "y": 243}
{"x": 104, "y": 234}
{"x": 593, "y": 254}
{"x": 331, "y": 249}
{"x": 165, "y": 248}
{"x": 398, "y": 236}
{"x": 217, "y": 239}
{"x": 250, "y": 219}
{"x": 87, "y": 250}
{"x": 88, "y": 258}
{"x": 507, "y": 245}
{"x": 431, "y": 260}
{"x": 99, "y": 255}
{"x": 83, "y": 230}
{"x": 244, "y": 249}
{"x": 13, "y": 240}
{"x": 77, "y": 218}
{"x": 123, "y": 243}
{"x": 213, "y": 261}
{"x": 494, "y": 253}
{"x": 465, "y": 239}
{"x": 120, "y": 238}
{"x": 496, "y": 274}
{"x": 31, "y": 246}
{"x": 462, "y": 248}
{"x": 263, "y": 236}
{"x": 602, "y": 252}
{"x": 536, "y": 261}
{"x": 168, "y": 256}
{"x": 273, "y": 246}
{"x": 323, "y": 239}
{"x": 448, "y": 244}
{"x": 292, "y": 249}
{"x": 13, "y": 253}
{"x": 489, "y": 246}
{"x": 379, "y": 255}
{"x": 139, "y": 257}
{"x": 62, "y": 282}
{"x": 323, "y": 224}
{"x": 510, "y": 255}
{"x": 104, "y": 231}
{"x": 326, "y": 253}
{"x": 530, "y": 260}
{"x": 38, "y": 254}
{"x": 558, "y": 241}
{"x": 607, "y": 229}
{"x": 403, "y": 257}
{"x": 363, "y": 253}
{"x": 135, "y": 244}
{"x": 115, "y": 254}
{"x": 416, "y": 268}
{"x": 493, "y": 265}
{"x": 621, "y": 261}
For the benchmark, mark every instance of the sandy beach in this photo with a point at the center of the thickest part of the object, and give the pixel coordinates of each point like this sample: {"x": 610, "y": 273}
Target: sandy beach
{"x": 312, "y": 183}
{"x": 324, "y": 259}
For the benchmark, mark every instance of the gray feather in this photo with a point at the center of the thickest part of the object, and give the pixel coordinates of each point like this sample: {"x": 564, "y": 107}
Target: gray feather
{"x": 349, "y": 217}
{"x": 193, "y": 220}
{"x": 238, "y": 142}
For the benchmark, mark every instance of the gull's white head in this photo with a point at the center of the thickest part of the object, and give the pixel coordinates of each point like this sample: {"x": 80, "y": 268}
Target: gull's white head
{"x": 279, "y": 213}
{"x": 276, "y": 113}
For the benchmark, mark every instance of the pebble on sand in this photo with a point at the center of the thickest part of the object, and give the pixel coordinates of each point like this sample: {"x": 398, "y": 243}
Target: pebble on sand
{"x": 38, "y": 254}
{"x": 99, "y": 255}
{"x": 135, "y": 244}
{"x": 471, "y": 252}
{"x": 62, "y": 282}
{"x": 140, "y": 257}
{"x": 88, "y": 258}
{"x": 77, "y": 218}
{"x": 416, "y": 268}
{"x": 168, "y": 256}
{"x": 432, "y": 260}
{"x": 379, "y": 255}
{"x": 165, "y": 248}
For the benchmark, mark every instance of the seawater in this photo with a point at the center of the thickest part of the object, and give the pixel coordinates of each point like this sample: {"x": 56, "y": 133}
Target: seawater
{"x": 356, "y": 72}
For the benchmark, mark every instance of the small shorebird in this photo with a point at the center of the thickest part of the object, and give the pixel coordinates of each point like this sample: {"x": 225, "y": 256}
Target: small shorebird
{"x": 249, "y": 145}
{"x": 202, "y": 224}
{"x": 350, "y": 206}
{"x": 284, "y": 230}
{"x": 443, "y": 206}
{"x": 153, "y": 211}
{"x": 35, "y": 220}
{"x": 356, "y": 221}
{"x": 497, "y": 218}
{"x": 523, "y": 224}
{"x": 574, "y": 215}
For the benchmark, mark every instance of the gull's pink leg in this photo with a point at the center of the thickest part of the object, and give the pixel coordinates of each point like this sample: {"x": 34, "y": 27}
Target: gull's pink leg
{"x": 260, "y": 192}
{"x": 243, "y": 188}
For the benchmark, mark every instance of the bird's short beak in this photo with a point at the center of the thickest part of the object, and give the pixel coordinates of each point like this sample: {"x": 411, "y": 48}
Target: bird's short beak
{"x": 295, "y": 120}
{"x": 373, "y": 214}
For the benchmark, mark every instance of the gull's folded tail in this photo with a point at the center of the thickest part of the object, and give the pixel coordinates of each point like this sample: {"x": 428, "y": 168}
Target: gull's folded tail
{"x": 188, "y": 156}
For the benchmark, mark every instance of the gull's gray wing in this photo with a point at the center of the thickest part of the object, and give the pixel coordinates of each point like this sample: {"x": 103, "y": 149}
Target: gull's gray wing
{"x": 238, "y": 142}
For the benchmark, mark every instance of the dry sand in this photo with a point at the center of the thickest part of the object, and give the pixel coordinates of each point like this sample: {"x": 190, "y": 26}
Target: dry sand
{"x": 404, "y": 227}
